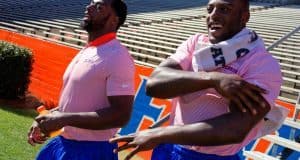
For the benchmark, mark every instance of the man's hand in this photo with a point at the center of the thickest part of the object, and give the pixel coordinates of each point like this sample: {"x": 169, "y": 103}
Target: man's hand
{"x": 240, "y": 92}
{"x": 50, "y": 122}
{"x": 35, "y": 136}
{"x": 140, "y": 141}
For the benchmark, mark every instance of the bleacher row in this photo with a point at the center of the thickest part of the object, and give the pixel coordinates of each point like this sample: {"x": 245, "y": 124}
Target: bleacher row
{"x": 154, "y": 29}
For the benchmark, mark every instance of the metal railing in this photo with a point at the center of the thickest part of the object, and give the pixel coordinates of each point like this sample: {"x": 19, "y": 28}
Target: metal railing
{"x": 276, "y": 43}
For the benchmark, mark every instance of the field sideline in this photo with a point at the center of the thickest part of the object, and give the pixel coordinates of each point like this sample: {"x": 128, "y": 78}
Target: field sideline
{"x": 14, "y": 124}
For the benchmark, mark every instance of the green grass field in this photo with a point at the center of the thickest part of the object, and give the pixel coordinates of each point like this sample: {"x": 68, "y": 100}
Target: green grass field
{"x": 14, "y": 125}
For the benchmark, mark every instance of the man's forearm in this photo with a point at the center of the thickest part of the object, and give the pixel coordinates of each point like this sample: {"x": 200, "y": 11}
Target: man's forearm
{"x": 54, "y": 109}
{"x": 202, "y": 134}
{"x": 229, "y": 128}
{"x": 168, "y": 83}
{"x": 102, "y": 119}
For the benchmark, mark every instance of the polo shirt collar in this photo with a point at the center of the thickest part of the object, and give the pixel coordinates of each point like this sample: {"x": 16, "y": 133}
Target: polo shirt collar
{"x": 102, "y": 39}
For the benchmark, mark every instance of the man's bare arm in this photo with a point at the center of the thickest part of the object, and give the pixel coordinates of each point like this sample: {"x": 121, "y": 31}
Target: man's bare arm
{"x": 117, "y": 115}
{"x": 168, "y": 80}
{"x": 228, "y": 128}
{"x": 225, "y": 129}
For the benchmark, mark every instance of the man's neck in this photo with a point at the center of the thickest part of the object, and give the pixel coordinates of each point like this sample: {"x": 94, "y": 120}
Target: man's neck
{"x": 216, "y": 41}
{"x": 96, "y": 34}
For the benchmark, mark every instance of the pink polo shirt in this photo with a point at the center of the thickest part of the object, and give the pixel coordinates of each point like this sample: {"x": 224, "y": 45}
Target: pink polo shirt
{"x": 104, "y": 68}
{"x": 258, "y": 67}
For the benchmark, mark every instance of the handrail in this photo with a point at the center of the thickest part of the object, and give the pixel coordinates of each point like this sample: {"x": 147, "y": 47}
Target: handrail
{"x": 297, "y": 108}
{"x": 276, "y": 43}
{"x": 160, "y": 121}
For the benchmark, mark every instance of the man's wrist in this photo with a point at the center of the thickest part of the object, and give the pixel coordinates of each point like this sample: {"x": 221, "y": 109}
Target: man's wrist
{"x": 66, "y": 119}
{"x": 168, "y": 134}
{"x": 210, "y": 77}
{"x": 54, "y": 109}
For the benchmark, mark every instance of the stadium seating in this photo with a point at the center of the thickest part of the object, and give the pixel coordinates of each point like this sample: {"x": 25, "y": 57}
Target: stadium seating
{"x": 155, "y": 28}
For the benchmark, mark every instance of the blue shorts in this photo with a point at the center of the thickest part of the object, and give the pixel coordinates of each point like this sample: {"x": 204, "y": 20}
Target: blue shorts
{"x": 60, "y": 148}
{"x": 176, "y": 152}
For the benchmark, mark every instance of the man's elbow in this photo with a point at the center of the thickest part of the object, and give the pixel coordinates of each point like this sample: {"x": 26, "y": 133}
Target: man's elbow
{"x": 153, "y": 89}
{"x": 150, "y": 88}
{"x": 232, "y": 135}
{"x": 239, "y": 136}
{"x": 122, "y": 121}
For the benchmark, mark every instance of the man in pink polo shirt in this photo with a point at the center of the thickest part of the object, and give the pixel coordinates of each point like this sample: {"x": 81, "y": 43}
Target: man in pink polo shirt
{"x": 224, "y": 87}
{"x": 97, "y": 93}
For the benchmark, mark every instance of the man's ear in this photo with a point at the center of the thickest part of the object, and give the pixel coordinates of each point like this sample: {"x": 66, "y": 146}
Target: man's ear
{"x": 115, "y": 21}
{"x": 245, "y": 17}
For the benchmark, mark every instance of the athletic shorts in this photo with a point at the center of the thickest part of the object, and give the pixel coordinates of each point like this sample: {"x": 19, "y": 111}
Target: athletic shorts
{"x": 60, "y": 148}
{"x": 177, "y": 152}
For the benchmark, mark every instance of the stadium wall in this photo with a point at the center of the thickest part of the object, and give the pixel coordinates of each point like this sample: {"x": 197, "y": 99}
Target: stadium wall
{"x": 290, "y": 1}
{"x": 279, "y": 1}
{"x": 46, "y": 80}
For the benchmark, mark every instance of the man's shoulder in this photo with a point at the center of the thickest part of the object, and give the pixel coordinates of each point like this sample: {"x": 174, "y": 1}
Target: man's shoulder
{"x": 198, "y": 36}
{"x": 119, "y": 54}
{"x": 195, "y": 39}
{"x": 264, "y": 60}
{"x": 114, "y": 47}
{"x": 265, "y": 56}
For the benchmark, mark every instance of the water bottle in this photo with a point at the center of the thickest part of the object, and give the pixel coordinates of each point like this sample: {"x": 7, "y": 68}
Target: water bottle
{"x": 43, "y": 111}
